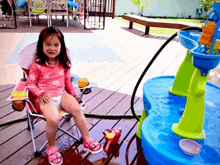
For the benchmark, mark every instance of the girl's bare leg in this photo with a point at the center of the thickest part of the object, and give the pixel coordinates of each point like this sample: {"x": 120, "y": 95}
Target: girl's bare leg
{"x": 51, "y": 113}
{"x": 71, "y": 105}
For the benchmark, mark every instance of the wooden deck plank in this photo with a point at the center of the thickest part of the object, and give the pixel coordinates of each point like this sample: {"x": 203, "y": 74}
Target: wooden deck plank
{"x": 155, "y": 70}
{"x": 9, "y": 131}
{"x": 5, "y": 91}
{"x": 123, "y": 67}
{"x": 117, "y": 108}
{"x": 101, "y": 97}
{"x": 64, "y": 142}
{"x": 11, "y": 116}
{"x": 91, "y": 120}
{"x": 117, "y": 66}
{"x": 16, "y": 155}
{"x": 103, "y": 124}
{"x": 128, "y": 127}
{"x": 122, "y": 150}
{"x": 13, "y": 127}
{"x": 20, "y": 140}
{"x": 93, "y": 126}
{"x": 5, "y": 87}
{"x": 25, "y": 154}
{"x": 5, "y": 110}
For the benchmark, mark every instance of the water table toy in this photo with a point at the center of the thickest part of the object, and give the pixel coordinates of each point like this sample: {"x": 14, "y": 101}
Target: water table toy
{"x": 112, "y": 136}
{"x": 190, "y": 147}
{"x": 186, "y": 107}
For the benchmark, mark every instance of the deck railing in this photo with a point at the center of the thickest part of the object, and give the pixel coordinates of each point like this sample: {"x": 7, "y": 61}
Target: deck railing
{"x": 110, "y": 7}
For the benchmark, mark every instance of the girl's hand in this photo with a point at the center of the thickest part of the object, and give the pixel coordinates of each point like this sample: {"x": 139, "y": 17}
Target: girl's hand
{"x": 77, "y": 98}
{"x": 45, "y": 98}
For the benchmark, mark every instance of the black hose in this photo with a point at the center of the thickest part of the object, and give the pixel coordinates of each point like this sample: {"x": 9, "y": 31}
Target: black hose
{"x": 128, "y": 147}
{"x": 149, "y": 65}
{"x": 86, "y": 114}
{"x": 13, "y": 121}
{"x": 110, "y": 116}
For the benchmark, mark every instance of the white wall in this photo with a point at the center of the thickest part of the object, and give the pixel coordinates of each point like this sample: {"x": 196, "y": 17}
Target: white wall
{"x": 171, "y": 8}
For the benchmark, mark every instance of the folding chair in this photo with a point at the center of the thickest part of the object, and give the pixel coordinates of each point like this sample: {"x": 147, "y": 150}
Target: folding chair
{"x": 36, "y": 8}
{"x": 21, "y": 98}
{"x": 59, "y": 7}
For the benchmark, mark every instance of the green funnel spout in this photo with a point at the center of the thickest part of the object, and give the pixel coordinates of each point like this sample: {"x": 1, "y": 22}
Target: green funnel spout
{"x": 192, "y": 121}
{"x": 183, "y": 77}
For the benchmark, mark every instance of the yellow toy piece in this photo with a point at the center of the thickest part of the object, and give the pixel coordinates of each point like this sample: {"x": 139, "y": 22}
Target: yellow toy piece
{"x": 19, "y": 94}
{"x": 38, "y": 11}
{"x": 217, "y": 44}
{"x": 83, "y": 82}
{"x": 110, "y": 136}
{"x": 216, "y": 47}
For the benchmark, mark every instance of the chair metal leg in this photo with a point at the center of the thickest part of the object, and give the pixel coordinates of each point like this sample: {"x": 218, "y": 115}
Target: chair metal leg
{"x": 32, "y": 134}
{"x": 61, "y": 129}
{"x": 67, "y": 20}
{"x": 29, "y": 12}
{"x": 67, "y": 118}
{"x": 43, "y": 146}
{"x": 31, "y": 126}
{"x": 77, "y": 131}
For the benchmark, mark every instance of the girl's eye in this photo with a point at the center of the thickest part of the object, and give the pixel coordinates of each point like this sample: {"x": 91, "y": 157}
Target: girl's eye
{"x": 57, "y": 45}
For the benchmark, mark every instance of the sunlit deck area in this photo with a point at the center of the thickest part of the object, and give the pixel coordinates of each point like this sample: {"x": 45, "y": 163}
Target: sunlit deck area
{"x": 116, "y": 81}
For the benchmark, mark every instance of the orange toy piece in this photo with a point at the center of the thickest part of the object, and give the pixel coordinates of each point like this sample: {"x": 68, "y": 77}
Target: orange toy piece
{"x": 208, "y": 34}
{"x": 83, "y": 82}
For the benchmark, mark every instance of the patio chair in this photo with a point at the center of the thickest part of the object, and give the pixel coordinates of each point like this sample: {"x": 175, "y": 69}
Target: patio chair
{"x": 37, "y": 8}
{"x": 21, "y": 100}
{"x": 59, "y": 8}
{"x": 64, "y": 8}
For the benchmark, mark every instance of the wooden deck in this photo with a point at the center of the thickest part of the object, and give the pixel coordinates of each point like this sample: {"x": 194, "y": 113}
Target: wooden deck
{"x": 16, "y": 146}
{"x": 116, "y": 83}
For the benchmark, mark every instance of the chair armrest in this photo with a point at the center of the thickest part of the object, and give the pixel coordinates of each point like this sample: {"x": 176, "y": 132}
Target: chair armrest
{"x": 18, "y": 103}
{"x": 21, "y": 86}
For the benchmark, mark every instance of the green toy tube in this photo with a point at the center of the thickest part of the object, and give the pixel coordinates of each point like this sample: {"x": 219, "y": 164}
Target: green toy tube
{"x": 192, "y": 121}
{"x": 139, "y": 130}
{"x": 183, "y": 77}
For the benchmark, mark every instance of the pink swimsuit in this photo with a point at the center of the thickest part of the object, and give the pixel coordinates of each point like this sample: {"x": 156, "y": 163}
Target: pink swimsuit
{"x": 52, "y": 80}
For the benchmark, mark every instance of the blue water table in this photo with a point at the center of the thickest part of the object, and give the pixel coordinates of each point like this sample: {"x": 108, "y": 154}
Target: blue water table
{"x": 181, "y": 121}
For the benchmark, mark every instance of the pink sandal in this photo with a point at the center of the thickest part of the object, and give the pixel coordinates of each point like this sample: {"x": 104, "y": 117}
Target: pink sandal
{"x": 54, "y": 156}
{"x": 93, "y": 146}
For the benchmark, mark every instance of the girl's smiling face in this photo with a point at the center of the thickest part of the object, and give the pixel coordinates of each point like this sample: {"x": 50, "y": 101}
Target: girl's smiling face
{"x": 51, "y": 47}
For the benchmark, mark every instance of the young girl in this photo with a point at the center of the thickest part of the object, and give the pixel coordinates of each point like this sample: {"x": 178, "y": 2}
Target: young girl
{"x": 51, "y": 84}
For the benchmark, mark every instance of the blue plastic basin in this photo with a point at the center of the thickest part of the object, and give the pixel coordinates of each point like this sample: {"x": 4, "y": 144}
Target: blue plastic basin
{"x": 189, "y": 39}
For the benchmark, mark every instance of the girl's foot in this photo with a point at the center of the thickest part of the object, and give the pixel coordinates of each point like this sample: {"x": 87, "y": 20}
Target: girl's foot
{"x": 54, "y": 156}
{"x": 93, "y": 146}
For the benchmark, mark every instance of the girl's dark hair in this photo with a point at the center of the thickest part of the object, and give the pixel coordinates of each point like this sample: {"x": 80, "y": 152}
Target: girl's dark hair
{"x": 62, "y": 57}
